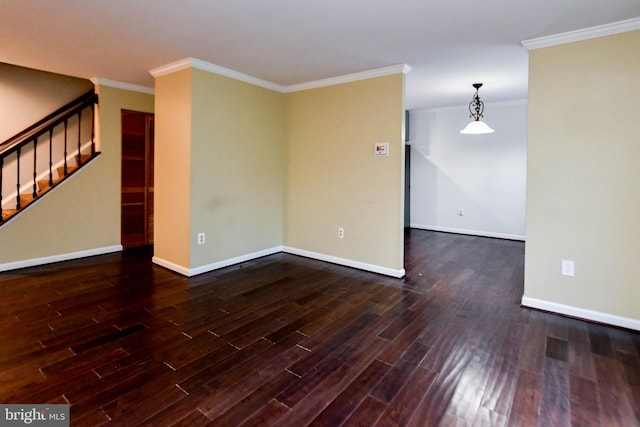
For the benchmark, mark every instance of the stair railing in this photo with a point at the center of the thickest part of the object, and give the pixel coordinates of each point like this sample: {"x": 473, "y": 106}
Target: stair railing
{"x": 30, "y": 136}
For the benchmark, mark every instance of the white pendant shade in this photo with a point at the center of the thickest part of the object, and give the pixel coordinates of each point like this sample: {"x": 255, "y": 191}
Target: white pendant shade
{"x": 476, "y": 127}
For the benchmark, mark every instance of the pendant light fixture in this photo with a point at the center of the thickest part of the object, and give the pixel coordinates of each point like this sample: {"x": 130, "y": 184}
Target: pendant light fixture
{"x": 476, "y": 108}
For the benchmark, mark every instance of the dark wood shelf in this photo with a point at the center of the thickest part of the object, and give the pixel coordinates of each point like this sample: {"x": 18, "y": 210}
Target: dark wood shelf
{"x": 137, "y": 179}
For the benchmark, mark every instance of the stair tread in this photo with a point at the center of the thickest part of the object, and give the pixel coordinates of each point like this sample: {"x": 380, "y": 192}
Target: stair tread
{"x": 8, "y": 213}
{"x": 43, "y": 184}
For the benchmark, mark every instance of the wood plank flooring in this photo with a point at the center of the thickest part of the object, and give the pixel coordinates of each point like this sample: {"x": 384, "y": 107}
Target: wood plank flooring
{"x": 289, "y": 341}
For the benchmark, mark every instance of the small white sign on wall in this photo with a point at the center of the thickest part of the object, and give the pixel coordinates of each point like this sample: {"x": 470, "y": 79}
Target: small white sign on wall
{"x": 381, "y": 148}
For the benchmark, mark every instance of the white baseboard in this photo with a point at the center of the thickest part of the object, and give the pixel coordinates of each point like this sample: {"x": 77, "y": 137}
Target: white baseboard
{"x": 58, "y": 258}
{"x": 171, "y": 266}
{"x": 581, "y": 313}
{"x": 189, "y": 272}
{"x": 469, "y": 232}
{"x": 346, "y": 262}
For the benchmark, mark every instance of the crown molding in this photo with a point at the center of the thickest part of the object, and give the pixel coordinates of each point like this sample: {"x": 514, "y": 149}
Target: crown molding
{"x": 347, "y": 78}
{"x": 172, "y": 67}
{"x": 185, "y": 63}
{"x": 122, "y": 85}
{"x": 583, "y": 34}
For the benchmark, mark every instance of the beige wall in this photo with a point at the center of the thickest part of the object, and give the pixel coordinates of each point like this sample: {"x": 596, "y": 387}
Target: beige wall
{"x": 223, "y": 141}
{"x": 28, "y": 95}
{"x": 583, "y": 175}
{"x": 333, "y": 178}
{"x": 172, "y": 179}
{"x": 83, "y": 213}
{"x": 248, "y": 145}
{"x": 237, "y": 172}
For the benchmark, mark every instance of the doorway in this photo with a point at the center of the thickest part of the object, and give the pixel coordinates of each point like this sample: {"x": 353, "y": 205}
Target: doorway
{"x": 407, "y": 187}
{"x": 137, "y": 179}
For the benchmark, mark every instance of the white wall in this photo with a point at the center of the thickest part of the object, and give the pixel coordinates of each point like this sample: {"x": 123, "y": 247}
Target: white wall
{"x": 485, "y": 175}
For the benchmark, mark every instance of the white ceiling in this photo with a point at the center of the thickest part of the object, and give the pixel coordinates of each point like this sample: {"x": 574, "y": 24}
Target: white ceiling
{"x": 448, "y": 44}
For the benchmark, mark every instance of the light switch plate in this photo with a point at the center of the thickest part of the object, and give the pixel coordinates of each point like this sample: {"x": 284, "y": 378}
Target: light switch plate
{"x": 568, "y": 268}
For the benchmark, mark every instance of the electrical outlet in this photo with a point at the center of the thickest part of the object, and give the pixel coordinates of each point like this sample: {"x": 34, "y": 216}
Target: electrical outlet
{"x": 341, "y": 232}
{"x": 568, "y": 268}
{"x": 201, "y": 238}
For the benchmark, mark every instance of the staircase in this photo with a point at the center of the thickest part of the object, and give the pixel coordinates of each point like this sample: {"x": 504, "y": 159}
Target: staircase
{"x": 45, "y": 154}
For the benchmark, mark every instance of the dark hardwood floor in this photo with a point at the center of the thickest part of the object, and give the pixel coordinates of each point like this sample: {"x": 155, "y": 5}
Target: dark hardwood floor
{"x": 285, "y": 340}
